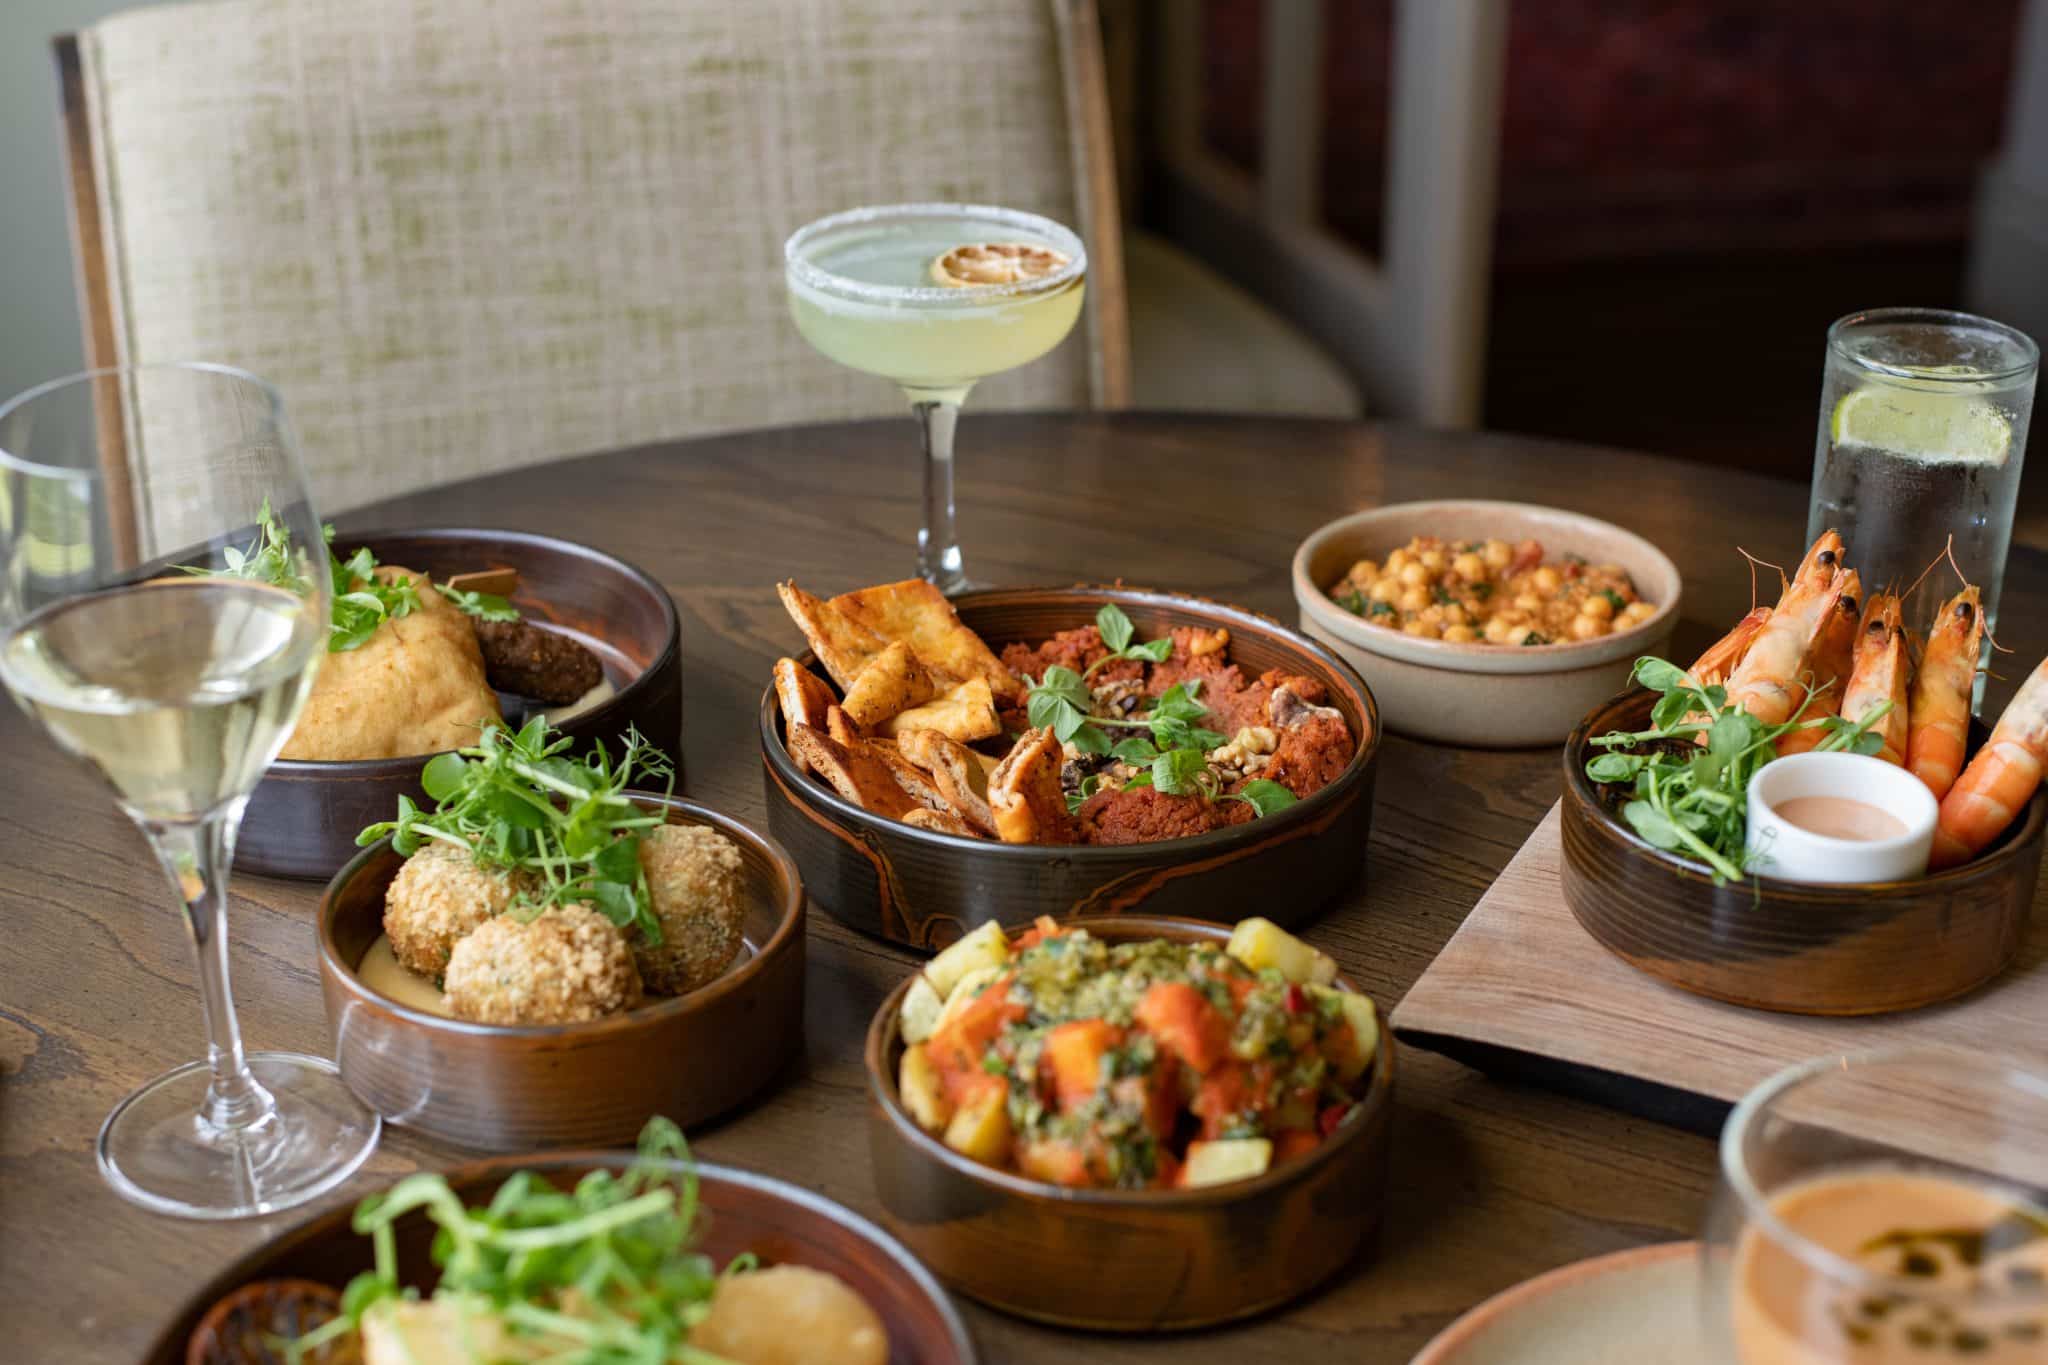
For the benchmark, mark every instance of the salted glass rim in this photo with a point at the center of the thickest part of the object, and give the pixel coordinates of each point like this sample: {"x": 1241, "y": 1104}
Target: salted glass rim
{"x": 1839, "y": 330}
{"x": 825, "y": 281}
{"x": 93, "y": 473}
{"x": 1756, "y": 1206}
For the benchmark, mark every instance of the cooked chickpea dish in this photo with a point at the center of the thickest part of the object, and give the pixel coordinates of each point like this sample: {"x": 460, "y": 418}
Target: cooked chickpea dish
{"x": 1490, "y": 592}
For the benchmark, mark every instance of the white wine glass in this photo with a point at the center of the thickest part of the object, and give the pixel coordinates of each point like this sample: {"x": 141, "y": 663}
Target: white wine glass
{"x": 163, "y": 607}
{"x": 935, "y": 297}
{"x": 1881, "y": 1208}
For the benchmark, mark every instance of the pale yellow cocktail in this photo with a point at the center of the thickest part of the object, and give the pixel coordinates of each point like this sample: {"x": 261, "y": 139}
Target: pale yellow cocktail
{"x": 935, "y": 297}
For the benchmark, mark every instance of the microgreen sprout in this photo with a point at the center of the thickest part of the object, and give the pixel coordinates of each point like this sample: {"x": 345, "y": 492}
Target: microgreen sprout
{"x": 517, "y": 800}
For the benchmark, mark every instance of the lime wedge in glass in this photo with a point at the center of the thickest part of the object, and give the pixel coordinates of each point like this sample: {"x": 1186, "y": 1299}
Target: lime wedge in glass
{"x": 1958, "y": 428}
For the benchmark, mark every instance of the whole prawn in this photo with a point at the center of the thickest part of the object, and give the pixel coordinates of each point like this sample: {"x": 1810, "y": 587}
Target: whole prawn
{"x": 1720, "y": 657}
{"x": 1882, "y": 674}
{"x": 1826, "y": 670}
{"x": 1999, "y": 781}
{"x": 1940, "y": 721}
{"x": 1767, "y": 681}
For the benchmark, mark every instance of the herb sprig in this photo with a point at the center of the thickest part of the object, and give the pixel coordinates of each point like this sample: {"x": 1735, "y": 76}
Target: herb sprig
{"x": 484, "y": 606}
{"x": 1697, "y": 803}
{"x": 518, "y": 801}
{"x": 617, "y": 1248}
{"x": 360, "y": 602}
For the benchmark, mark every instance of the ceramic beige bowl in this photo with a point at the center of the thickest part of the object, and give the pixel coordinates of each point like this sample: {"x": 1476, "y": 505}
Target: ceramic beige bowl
{"x": 1488, "y": 696}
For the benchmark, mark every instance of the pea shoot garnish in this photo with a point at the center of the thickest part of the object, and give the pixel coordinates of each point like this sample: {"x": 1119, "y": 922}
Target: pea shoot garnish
{"x": 484, "y": 606}
{"x": 361, "y": 602}
{"x": 616, "y": 1251}
{"x": 1693, "y": 799}
{"x": 517, "y": 800}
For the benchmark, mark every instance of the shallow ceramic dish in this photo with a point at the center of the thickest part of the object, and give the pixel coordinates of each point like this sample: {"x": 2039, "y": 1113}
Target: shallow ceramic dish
{"x": 1128, "y": 1260}
{"x": 1867, "y": 948}
{"x": 1490, "y": 696}
{"x": 1626, "y": 1308}
{"x": 499, "y": 1088}
{"x": 925, "y": 889}
{"x": 303, "y": 819}
{"x": 777, "y": 1221}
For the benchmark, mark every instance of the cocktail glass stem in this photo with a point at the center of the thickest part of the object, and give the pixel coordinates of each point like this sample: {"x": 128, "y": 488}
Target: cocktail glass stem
{"x": 195, "y": 855}
{"x": 938, "y": 540}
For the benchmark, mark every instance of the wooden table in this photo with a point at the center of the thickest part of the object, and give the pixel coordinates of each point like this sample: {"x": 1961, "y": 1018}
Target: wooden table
{"x": 1491, "y": 1184}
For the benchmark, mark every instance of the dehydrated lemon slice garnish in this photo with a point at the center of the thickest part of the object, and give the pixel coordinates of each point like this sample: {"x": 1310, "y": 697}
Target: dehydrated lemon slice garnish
{"x": 996, "y": 263}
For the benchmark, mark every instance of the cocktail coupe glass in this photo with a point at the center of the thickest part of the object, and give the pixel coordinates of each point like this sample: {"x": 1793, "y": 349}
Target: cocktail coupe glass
{"x": 163, "y": 606}
{"x": 1884, "y": 1207}
{"x": 864, "y": 292}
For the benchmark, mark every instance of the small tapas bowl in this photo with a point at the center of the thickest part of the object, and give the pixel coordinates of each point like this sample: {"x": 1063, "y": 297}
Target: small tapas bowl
{"x": 501, "y": 1088}
{"x": 924, "y": 889}
{"x": 743, "y": 1212}
{"x": 1774, "y": 944}
{"x": 303, "y": 818}
{"x": 1128, "y": 1260}
{"x": 1484, "y": 695}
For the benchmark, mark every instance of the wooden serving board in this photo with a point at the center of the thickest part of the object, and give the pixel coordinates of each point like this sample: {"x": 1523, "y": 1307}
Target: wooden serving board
{"x": 1523, "y": 992}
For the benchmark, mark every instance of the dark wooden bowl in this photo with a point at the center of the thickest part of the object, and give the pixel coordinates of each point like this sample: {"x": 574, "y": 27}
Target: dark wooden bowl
{"x": 779, "y": 1222}
{"x": 1780, "y": 945}
{"x": 924, "y": 889}
{"x": 1128, "y": 1260}
{"x": 303, "y": 819}
{"x": 499, "y": 1088}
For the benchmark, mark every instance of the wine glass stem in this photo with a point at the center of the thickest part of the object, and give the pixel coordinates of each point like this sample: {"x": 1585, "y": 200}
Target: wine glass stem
{"x": 938, "y": 541}
{"x": 195, "y": 855}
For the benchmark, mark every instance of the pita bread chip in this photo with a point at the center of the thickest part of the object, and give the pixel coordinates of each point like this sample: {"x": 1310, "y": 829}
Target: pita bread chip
{"x": 803, "y": 698}
{"x": 919, "y": 615}
{"x": 967, "y": 712}
{"x": 841, "y": 643}
{"x": 945, "y": 822}
{"x": 962, "y": 781}
{"x": 1024, "y": 792}
{"x": 893, "y": 681}
{"x": 908, "y": 775}
{"x": 840, "y": 728}
{"x": 856, "y": 775}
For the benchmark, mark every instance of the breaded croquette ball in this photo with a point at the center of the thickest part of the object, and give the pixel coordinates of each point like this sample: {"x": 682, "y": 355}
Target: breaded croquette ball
{"x": 791, "y": 1315}
{"x": 565, "y": 966}
{"x": 438, "y": 896}
{"x": 694, "y": 887}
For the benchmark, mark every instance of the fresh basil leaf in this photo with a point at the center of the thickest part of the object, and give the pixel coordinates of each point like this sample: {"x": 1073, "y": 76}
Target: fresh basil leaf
{"x": 1177, "y": 770}
{"x": 1659, "y": 675}
{"x": 1141, "y": 778}
{"x": 1265, "y": 796}
{"x": 1157, "y": 651}
{"x": 1040, "y": 709}
{"x": 1137, "y": 750}
{"x": 1067, "y": 721}
{"x": 1205, "y": 740}
{"x": 1090, "y": 739}
{"x": 1116, "y": 628}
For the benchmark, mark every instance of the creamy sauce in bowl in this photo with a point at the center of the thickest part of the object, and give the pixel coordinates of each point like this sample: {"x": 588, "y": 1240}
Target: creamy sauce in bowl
{"x": 1840, "y": 817}
{"x": 383, "y": 973}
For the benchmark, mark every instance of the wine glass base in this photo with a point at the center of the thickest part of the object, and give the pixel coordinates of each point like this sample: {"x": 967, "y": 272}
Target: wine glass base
{"x": 156, "y": 1151}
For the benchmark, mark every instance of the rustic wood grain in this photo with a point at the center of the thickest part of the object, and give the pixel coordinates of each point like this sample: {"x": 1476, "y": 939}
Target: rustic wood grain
{"x": 1490, "y": 1184}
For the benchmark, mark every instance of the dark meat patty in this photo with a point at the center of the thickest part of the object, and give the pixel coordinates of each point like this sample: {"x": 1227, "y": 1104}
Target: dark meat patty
{"x": 522, "y": 658}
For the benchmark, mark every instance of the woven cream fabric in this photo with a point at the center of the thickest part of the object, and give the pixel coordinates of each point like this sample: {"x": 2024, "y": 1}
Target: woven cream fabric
{"x": 464, "y": 235}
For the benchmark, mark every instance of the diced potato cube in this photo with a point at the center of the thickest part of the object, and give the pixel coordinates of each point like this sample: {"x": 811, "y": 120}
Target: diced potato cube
{"x": 1365, "y": 1031}
{"x": 967, "y": 988}
{"x": 980, "y": 1129}
{"x": 1260, "y": 943}
{"x": 917, "y": 1081}
{"x": 985, "y": 947}
{"x": 921, "y": 1010}
{"x": 1225, "y": 1160}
